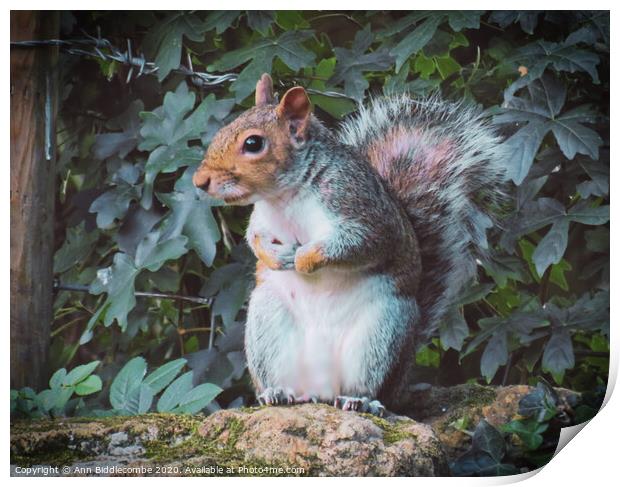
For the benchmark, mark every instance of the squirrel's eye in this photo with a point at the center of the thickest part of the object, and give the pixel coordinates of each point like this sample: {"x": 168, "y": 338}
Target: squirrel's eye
{"x": 253, "y": 144}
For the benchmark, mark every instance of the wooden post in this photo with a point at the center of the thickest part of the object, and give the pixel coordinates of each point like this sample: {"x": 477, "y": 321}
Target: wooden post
{"x": 33, "y": 178}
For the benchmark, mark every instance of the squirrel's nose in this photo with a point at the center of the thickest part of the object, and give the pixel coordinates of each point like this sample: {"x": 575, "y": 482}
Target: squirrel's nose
{"x": 202, "y": 180}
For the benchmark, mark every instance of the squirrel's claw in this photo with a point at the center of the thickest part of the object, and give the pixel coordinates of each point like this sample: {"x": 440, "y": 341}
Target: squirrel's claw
{"x": 274, "y": 396}
{"x": 360, "y": 404}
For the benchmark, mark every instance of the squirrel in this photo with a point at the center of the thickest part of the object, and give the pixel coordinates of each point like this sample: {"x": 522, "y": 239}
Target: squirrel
{"x": 364, "y": 237}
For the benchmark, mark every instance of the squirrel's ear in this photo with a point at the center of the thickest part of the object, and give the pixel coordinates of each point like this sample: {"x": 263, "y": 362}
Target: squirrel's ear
{"x": 295, "y": 107}
{"x": 264, "y": 91}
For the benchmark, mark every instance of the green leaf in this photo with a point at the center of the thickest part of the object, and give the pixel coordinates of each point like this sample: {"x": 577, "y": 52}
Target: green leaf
{"x": 416, "y": 40}
{"x": 76, "y": 247}
{"x": 352, "y": 63}
{"x": 167, "y": 130}
{"x": 139, "y": 400}
{"x": 464, "y": 19}
{"x": 540, "y": 108}
{"x": 551, "y": 248}
{"x": 164, "y": 375}
{"x": 495, "y": 354}
{"x": 488, "y": 440}
{"x": 58, "y": 378}
{"x": 152, "y": 252}
{"x": 175, "y": 393}
{"x": 88, "y": 386}
{"x": 291, "y": 20}
{"x": 446, "y": 66}
{"x": 453, "y": 331}
{"x": 423, "y": 65}
{"x": 120, "y": 143}
{"x": 197, "y": 399}
{"x": 288, "y": 48}
{"x": 80, "y": 373}
{"x": 118, "y": 281}
{"x": 230, "y": 284}
{"x": 113, "y": 204}
{"x": 126, "y": 382}
{"x": 261, "y": 20}
{"x": 220, "y": 20}
{"x": 166, "y": 38}
{"x": 427, "y": 357}
{"x": 192, "y": 216}
{"x": 529, "y": 431}
{"x": 558, "y": 355}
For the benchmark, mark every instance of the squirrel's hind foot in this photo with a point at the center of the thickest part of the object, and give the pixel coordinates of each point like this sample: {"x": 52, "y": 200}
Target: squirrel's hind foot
{"x": 360, "y": 404}
{"x": 274, "y": 396}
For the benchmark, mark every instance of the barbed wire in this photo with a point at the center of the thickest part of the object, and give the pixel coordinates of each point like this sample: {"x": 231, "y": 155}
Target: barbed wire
{"x": 98, "y": 47}
{"x": 78, "y": 288}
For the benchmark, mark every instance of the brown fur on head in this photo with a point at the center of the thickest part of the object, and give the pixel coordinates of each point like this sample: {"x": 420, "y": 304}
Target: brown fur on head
{"x": 233, "y": 170}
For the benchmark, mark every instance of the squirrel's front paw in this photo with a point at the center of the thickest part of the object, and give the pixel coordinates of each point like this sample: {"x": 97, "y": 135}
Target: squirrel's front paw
{"x": 273, "y": 396}
{"x": 275, "y": 254}
{"x": 360, "y": 404}
{"x": 309, "y": 258}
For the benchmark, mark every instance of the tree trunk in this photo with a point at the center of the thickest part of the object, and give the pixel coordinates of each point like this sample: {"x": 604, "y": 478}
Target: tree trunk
{"x": 33, "y": 112}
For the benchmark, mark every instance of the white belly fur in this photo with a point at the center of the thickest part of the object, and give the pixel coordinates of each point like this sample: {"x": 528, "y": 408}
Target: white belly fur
{"x": 332, "y": 313}
{"x": 332, "y": 310}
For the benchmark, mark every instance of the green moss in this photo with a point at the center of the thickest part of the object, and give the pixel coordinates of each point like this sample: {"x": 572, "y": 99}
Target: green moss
{"x": 392, "y": 432}
{"x": 215, "y": 448}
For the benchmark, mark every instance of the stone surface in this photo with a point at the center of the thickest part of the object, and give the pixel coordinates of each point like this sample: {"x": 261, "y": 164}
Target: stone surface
{"x": 440, "y": 407}
{"x": 312, "y": 439}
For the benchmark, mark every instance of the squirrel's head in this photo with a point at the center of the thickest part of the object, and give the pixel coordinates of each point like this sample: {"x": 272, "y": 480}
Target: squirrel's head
{"x": 245, "y": 158}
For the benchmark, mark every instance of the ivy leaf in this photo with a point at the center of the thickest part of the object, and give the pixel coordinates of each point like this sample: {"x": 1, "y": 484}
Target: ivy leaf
{"x": 540, "y": 404}
{"x": 485, "y": 454}
{"x": 166, "y": 38}
{"x": 538, "y": 55}
{"x": 118, "y": 282}
{"x": 153, "y": 252}
{"x": 453, "y": 331}
{"x": 351, "y": 63}
{"x": 336, "y": 107}
{"x": 261, "y": 20}
{"x": 599, "y": 179}
{"x": 551, "y": 248}
{"x": 230, "y": 284}
{"x": 288, "y": 48}
{"x": 558, "y": 355}
{"x": 120, "y": 143}
{"x": 464, "y": 19}
{"x": 526, "y": 19}
{"x": 540, "y": 109}
{"x": 76, "y": 247}
{"x": 529, "y": 432}
{"x": 167, "y": 129}
{"x": 416, "y": 39}
{"x": 220, "y": 20}
{"x": 113, "y": 204}
{"x": 495, "y": 354}
{"x": 191, "y": 215}
{"x": 574, "y": 138}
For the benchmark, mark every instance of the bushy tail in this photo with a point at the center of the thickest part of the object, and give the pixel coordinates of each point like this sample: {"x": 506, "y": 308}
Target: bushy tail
{"x": 446, "y": 165}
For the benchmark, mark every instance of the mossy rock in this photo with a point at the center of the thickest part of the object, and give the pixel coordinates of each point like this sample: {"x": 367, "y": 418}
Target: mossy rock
{"x": 298, "y": 440}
